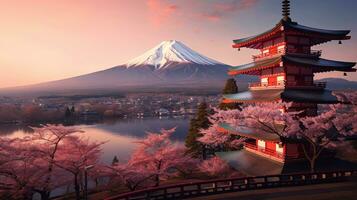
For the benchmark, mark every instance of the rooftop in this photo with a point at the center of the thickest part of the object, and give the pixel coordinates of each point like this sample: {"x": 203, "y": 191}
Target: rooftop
{"x": 317, "y": 35}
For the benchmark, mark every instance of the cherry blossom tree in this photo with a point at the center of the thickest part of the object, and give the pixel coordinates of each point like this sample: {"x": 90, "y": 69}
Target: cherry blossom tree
{"x": 41, "y": 161}
{"x": 130, "y": 175}
{"x": 329, "y": 128}
{"x": 47, "y": 141}
{"x": 217, "y": 140}
{"x": 215, "y": 166}
{"x": 316, "y": 133}
{"x": 75, "y": 155}
{"x": 156, "y": 158}
{"x": 18, "y": 170}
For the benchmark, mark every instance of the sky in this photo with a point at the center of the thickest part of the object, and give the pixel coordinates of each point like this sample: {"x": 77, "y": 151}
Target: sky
{"x": 43, "y": 40}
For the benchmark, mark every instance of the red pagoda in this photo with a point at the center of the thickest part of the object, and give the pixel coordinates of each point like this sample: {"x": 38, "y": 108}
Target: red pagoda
{"x": 286, "y": 66}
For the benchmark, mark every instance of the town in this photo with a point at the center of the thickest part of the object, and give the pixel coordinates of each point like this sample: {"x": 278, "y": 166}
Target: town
{"x": 90, "y": 108}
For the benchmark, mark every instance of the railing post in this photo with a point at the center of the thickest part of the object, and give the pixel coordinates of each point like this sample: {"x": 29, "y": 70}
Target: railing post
{"x": 199, "y": 189}
{"x": 181, "y": 191}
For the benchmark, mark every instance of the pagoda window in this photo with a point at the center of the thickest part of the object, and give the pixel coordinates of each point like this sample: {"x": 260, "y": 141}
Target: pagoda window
{"x": 279, "y": 148}
{"x": 264, "y": 81}
{"x": 281, "y": 78}
{"x": 266, "y": 52}
{"x": 281, "y": 49}
{"x": 273, "y": 50}
{"x": 272, "y": 81}
{"x": 261, "y": 144}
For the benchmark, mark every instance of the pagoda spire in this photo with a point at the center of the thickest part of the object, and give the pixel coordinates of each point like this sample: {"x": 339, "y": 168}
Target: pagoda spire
{"x": 286, "y": 10}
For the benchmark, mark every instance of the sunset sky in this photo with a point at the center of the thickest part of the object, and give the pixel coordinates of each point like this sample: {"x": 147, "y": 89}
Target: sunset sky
{"x": 44, "y": 40}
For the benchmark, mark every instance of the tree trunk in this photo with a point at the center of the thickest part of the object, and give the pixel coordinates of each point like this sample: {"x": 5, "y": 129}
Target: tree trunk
{"x": 312, "y": 165}
{"x": 76, "y": 187}
{"x": 157, "y": 180}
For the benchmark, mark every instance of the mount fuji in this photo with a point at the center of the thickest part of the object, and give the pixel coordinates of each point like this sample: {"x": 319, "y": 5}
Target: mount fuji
{"x": 170, "y": 65}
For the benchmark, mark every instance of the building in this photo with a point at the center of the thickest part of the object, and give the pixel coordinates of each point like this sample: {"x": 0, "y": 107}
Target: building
{"x": 286, "y": 66}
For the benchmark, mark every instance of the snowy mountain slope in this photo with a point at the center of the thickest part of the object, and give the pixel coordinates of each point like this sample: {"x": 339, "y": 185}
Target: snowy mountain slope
{"x": 170, "y": 51}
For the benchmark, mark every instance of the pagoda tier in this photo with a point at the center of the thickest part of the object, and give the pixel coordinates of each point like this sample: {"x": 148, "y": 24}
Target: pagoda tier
{"x": 266, "y": 145}
{"x": 286, "y": 29}
{"x": 314, "y": 65}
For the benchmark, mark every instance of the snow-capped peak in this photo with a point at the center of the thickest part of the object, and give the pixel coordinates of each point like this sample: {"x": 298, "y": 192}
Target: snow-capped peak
{"x": 170, "y": 51}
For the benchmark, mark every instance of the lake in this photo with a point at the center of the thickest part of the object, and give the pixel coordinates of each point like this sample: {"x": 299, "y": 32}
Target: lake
{"x": 119, "y": 135}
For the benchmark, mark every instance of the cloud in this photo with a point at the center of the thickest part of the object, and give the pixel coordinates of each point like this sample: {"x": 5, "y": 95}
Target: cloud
{"x": 161, "y": 11}
{"x": 222, "y": 9}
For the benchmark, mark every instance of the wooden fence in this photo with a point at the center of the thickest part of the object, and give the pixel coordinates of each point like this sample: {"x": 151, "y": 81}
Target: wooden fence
{"x": 203, "y": 188}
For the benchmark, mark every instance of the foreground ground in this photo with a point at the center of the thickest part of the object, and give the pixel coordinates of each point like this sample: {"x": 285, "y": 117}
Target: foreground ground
{"x": 331, "y": 191}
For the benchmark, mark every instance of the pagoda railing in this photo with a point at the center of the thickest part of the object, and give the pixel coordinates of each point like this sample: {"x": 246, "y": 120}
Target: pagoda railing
{"x": 267, "y": 55}
{"x": 263, "y": 150}
{"x": 311, "y": 53}
{"x": 259, "y": 85}
{"x": 219, "y": 186}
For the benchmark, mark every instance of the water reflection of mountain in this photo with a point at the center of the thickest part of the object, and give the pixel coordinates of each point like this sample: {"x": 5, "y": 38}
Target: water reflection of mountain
{"x": 9, "y": 129}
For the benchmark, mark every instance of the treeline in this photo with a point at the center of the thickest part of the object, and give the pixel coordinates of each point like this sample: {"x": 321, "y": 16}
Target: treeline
{"x": 32, "y": 113}
{"x": 28, "y": 113}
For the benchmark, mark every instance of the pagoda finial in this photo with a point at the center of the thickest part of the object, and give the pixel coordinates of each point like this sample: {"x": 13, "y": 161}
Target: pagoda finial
{"x": 286, "y": 10}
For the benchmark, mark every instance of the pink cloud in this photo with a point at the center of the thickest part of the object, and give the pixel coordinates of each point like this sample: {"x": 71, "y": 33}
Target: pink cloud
{"x": 161, "y": 11}
{"x": 222, "y": 9}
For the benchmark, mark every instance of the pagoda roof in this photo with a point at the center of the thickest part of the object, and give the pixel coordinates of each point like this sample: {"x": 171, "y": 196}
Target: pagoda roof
{"x": 295, "y": 95}
{"x": 248, "y": 133}
{"x": 317, "y": 64}
{"x": 254, "y": 67}
{"x": 319, "y": 35}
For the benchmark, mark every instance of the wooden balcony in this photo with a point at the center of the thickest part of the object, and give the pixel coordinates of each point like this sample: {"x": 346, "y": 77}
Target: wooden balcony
{"x": 265, "y": 86}
{"x": 311, "y": 53}
{"x": 267, "y": 55}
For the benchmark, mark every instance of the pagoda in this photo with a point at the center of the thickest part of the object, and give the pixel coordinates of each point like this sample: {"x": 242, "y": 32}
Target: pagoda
{"x": 286, "y": 65}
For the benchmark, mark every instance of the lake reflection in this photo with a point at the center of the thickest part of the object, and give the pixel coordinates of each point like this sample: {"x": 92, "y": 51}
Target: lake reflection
{"x": 119, "y": 135}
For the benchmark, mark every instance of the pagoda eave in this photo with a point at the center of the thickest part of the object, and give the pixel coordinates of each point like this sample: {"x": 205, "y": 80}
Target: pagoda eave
{"x": 292, "y": 28}
{"x": 287, "y": 95}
